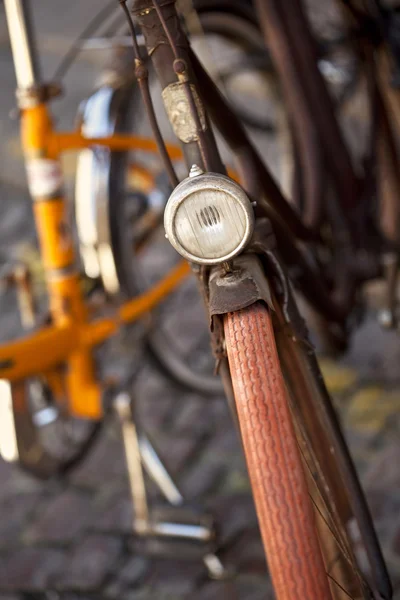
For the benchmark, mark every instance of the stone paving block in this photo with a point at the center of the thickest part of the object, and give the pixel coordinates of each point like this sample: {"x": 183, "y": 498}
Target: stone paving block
{"x": 135, "y": 570}
{"x": 338, "y": 378}
{"x": 224, "y": 443}
{"x": 371, "y": 408}
{"x": 19, "y": 482}
{"x": 219, "y": 413}
{"x": 176, "y": 451}
{"x": 116, "y": 515}
{"x": 393, "y": 565}
{"x": 396, "y": 542}
{"x": 105, "y": 461}
{"x": 30, "y": 569}
{"x": 145, "y": 593}
{"x": 172, "y": 585}
{"x": 236, "y": 481}
{"x": 201, "y": 479}
{"x": 16, "y": 208}
{"x": 157, "y": 401}
{"x": 18, "y": 508}
{"x": 193, "y": 416}
{"x": 172, "y": 590}
{"x": 130, "y": 576}
{"x": 379, "y": 503}
{"x": 246, "y": 552}
{"x": 233, "y": 514}
{"x": 180, "y": 574}
{"x": 92, "y": 559}
{"x": 384, "y": 471}
{"x": 215, "y": 454}
{"x": 362, "y": 447}
{"x": 6, "y": 473}
{"x": 223, "y": 449}
{"x": 217, "y": 590}
{"x": 226, "y": 437}
{"x": 62, "y": 519}
{"x": 58, "y": 596}
{"x": 254, "y": 587}
{"x": 375, "y": 353}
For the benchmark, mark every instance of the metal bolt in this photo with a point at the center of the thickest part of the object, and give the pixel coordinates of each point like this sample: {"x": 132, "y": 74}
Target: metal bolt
{"x": 141, "y": 71}
{"x": 228, "y": 267}
{"x": 216, "y": 569}
{"x": 385, "y": 318}
{"x": 179, "y": 66}
{"x": 195, "y": 171}
{"x": 122, "y": 403}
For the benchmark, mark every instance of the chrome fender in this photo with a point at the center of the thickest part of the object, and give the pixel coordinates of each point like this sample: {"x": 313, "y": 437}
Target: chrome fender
{"x": 92, "y": 199}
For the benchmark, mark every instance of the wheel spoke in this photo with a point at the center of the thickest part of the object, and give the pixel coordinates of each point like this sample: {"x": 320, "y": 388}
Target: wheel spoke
{"x": 317, "y": 477}
{"x": 340, "y": 586}
{"x": 45, "y": 416}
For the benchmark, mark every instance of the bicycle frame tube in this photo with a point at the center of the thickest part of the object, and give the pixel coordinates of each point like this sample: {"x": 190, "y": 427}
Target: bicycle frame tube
{"x": 256, "y": 176}
{"x": 22, "y": 43}
{"x": 175, "y": 75}
{"x": 44, "y": 349}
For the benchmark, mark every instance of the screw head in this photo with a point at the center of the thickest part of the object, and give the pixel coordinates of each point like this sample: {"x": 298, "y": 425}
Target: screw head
{"x": 195, "y": 171}
{"x": 179, "y": 66}
{"x": 385, "y": 318}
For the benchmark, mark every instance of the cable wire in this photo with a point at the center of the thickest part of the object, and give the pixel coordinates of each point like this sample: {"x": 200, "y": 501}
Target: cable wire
{"x": 142, "y": 76}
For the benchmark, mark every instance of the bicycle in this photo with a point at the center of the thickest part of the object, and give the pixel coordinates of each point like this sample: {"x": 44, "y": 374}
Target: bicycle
{"x": 286, "y": 419}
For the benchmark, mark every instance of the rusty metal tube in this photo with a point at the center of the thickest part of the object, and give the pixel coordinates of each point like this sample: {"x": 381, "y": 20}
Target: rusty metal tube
{"x": 175, "y": 76}
{"x": 292, "y": 48}
{"x": 257, "y": 179}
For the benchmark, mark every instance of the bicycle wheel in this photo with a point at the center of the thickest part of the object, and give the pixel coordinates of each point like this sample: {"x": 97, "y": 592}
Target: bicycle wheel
{"x": 49, "y": 443}
{"x": 301, "y": 506}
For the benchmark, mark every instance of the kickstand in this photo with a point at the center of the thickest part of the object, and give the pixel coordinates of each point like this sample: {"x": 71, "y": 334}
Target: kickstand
{"x": 189, "y": 527}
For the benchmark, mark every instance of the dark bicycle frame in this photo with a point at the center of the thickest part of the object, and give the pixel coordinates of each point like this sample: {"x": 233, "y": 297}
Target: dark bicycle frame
{"x": 324, "y": 159}
{"x": 324, "y": 163}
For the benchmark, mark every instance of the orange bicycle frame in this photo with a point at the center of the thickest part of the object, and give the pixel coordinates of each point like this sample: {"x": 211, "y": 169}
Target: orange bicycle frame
{"x": 64, "y": 347}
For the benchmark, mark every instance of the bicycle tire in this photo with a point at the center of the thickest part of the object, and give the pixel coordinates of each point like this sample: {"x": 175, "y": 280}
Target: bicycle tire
{"x": 279, "y": 486}
{"x": 334, "y": 475}
{"x": 282, "y": 488}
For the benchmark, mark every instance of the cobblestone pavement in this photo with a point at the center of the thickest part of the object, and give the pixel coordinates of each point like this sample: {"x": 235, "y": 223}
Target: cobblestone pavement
{"x": 71, "y": 540}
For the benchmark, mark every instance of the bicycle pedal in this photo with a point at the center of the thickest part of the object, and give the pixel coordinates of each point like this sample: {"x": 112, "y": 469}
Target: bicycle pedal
{"x": 185, "y": 515}
{"x": 187, "y": 550}
{"x": 182, "y": 549}
{"x": 180, "y": 524}
{"x": 186, "y": 533}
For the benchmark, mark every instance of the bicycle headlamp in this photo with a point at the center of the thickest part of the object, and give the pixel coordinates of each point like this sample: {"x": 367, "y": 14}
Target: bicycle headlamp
{"x": 208, "y": 218}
